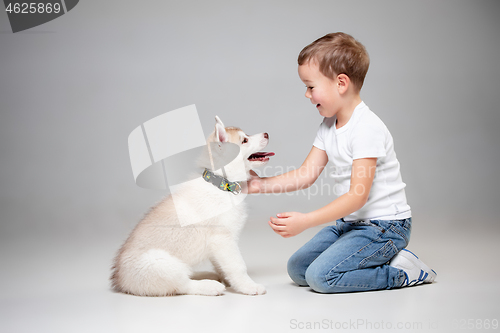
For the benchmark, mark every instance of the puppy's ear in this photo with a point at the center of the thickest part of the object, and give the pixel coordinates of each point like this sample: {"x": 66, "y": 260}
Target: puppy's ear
{"x": 220, "y": 131}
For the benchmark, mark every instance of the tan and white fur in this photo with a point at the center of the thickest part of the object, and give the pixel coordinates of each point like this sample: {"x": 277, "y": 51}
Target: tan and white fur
{"x": 158, "y": 257}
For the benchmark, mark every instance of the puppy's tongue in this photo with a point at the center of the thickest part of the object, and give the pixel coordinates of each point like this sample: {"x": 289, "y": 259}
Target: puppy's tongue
{"x": 260, "y": 156}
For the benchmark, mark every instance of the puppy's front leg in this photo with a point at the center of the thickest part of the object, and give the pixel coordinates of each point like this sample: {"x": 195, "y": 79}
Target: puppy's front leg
{"x": 226, "y": 255}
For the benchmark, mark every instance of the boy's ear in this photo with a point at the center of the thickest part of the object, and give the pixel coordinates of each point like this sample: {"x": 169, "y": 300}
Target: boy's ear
{"x": 343, "y": 83}
{"x": 220, "y": 131}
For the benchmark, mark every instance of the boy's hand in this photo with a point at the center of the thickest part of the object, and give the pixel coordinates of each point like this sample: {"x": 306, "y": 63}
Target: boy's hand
{"x": 253, "y": 183}
{"x": 289, "y": 224}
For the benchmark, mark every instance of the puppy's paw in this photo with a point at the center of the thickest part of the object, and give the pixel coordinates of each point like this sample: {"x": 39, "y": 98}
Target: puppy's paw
{"x": 206, "y": 287}
{"x": 252, "y": 289}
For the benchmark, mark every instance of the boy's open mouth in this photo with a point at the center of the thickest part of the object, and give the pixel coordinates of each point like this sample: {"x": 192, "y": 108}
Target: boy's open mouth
{"x": 318, "y": 105}
{"x": 260, "y": 156}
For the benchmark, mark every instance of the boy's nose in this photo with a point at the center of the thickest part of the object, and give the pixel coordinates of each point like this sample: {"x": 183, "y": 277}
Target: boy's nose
{"x": 308, "y": 94}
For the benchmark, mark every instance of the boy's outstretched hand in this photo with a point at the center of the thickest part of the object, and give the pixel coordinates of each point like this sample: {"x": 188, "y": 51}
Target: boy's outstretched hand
{"x": 289, "y": 224}
{"x": 253, "y": 184}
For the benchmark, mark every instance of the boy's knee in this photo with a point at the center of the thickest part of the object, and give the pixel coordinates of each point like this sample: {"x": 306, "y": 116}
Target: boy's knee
{"x": 293, "y": 262}
{"x": 316, "y": 278}
{"x": 295, "y": 270}
{"x": 322, "y": 281}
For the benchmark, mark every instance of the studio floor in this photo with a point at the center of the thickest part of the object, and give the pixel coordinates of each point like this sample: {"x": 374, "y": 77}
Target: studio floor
{"x": 60, "y": 284}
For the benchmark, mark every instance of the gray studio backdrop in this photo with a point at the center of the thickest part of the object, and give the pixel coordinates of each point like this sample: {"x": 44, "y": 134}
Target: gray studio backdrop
{"x": 73, "y": 89}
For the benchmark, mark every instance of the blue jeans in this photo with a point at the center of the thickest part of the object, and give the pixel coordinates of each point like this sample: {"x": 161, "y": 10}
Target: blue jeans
{"x": 351, "y": 256}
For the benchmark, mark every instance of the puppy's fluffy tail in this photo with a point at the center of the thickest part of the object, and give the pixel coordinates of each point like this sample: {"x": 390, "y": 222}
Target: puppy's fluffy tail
{"x": 152, "y": 273}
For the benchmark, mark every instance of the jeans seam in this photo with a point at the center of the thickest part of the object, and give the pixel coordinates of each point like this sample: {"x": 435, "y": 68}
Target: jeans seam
{"x": 333, "y": 268}
{"x": 399, "y": 233}
{"x": 352, "y": 285}
{"x": 407, "y": 224}
{"x": 389, "y": 243}
{"x": 377, "y": 226}
{"x": 312, "y": 261}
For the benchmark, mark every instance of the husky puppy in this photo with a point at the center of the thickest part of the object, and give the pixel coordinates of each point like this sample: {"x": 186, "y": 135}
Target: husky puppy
{"x": 158, "y": 256}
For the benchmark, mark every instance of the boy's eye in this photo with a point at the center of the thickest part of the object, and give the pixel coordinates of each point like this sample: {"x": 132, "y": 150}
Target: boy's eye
{"x": 245, "y": 140}
{"x": 310, "y": 88}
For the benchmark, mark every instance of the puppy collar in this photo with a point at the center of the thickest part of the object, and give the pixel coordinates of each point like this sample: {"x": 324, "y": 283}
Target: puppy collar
{"x": 222, "y": 183}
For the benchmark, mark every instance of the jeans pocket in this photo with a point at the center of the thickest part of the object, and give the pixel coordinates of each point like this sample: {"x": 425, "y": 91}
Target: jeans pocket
{"x": 378, "y": 225}
{"x": 381, "y": 256}
{"x": 406, "y": 224}
{"x": 402, "y": 233}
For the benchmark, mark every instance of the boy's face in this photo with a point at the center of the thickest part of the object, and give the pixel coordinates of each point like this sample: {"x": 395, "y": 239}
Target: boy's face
{"x": 321, "y": 90}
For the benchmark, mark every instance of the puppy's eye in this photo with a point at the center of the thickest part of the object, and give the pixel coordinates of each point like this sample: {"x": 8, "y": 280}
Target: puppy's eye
{"x": 245, "y": 140}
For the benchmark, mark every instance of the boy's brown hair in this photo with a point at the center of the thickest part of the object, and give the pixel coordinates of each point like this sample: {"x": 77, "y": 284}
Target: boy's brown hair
{"x": 338, "y": 53}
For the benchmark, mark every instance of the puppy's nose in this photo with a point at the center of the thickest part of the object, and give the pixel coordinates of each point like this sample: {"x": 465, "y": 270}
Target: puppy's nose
{"x": 266, "y": 135}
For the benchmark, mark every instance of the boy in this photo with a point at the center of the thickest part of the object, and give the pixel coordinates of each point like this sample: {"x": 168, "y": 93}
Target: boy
{"x": 373, "y": 217}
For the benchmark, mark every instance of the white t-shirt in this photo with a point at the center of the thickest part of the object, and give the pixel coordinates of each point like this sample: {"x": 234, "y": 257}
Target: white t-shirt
{"x": 365, "y": 136}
